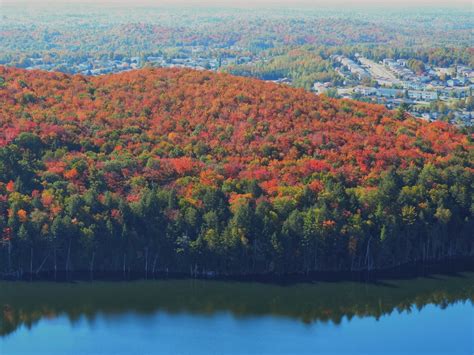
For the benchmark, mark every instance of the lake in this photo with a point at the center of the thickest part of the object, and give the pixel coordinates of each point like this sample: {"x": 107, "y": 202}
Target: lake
{"x": 432, "y": 315}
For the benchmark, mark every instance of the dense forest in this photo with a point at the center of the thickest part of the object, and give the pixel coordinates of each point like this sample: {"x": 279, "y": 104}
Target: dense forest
{"x": 303, "y": 66}
{"x": 188, "y": 171}
{"x": 75, "y": 28}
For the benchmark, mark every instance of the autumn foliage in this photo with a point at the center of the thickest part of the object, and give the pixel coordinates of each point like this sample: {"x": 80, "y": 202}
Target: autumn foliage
{"x": 113, "y": 140}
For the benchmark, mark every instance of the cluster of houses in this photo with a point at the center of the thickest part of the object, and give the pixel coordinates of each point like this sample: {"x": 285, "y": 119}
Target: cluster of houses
{"x": 405, "y": 83}
{"x": 392, "y": 98}
{"x": 415, "y": 95}
{"x": 197, "y": 61}
{"x": 395, "y": 84}
{"x": 89, "y": 66}
{"x": 400, "y": 68}
{"x": 418, "y": 95}
{"x": 92, "y": 66}
{"x": 352, "y": 66}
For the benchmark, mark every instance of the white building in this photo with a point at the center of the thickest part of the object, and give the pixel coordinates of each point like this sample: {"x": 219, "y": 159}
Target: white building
{"x": 422, "y": 95}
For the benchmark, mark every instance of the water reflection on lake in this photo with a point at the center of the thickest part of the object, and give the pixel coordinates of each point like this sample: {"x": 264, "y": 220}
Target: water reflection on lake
{"x": 425, "y": 315}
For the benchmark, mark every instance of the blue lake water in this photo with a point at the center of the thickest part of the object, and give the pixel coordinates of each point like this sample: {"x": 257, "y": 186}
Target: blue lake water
{"x": 422, "y": 316}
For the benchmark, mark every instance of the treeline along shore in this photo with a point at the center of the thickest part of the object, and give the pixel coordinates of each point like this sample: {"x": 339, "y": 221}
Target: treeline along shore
{"x": 175, "y": 171}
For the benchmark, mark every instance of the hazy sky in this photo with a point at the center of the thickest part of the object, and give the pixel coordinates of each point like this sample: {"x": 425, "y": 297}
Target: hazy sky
{"x": 249, "y": 3}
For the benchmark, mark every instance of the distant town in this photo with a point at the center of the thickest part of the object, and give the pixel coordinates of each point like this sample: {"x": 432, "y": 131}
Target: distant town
{"x": 428, "y": 94}
{"x": 196, "y": 57}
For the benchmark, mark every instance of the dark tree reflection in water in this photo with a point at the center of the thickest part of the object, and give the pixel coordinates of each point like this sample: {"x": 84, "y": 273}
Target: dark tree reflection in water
{"x": 26, "y": 303}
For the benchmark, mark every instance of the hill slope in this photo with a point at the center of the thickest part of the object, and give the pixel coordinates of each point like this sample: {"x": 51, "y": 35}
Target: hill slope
{"x": 177, "y": 169}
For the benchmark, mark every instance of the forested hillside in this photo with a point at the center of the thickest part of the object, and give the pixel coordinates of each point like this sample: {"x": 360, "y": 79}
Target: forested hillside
{"x": 190, "y": 171}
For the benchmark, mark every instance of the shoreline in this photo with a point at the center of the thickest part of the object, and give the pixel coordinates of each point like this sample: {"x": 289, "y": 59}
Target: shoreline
{"x": 406, "y": 271}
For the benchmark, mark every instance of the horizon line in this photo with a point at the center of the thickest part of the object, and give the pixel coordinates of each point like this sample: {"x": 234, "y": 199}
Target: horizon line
{"x": 255, "y": 3}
